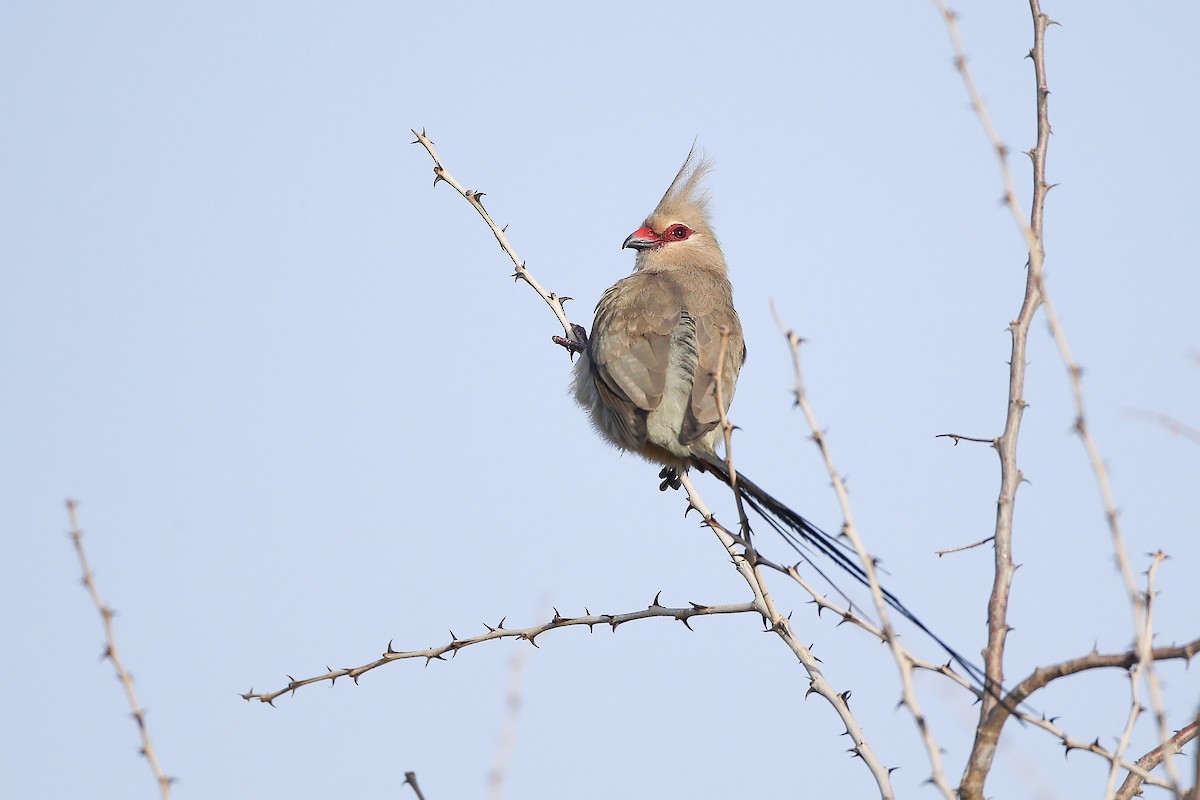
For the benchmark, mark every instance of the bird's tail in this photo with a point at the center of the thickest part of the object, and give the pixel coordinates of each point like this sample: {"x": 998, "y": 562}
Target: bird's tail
{"x": 806, "y": 539}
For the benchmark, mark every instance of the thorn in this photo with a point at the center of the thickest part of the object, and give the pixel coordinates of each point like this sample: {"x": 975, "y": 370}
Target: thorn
{"x": 845, "y": 697}
{"x": 500, "y": 624}
{"x": 389, "y": 651}
{"x": 656, "y": 604}
{"x": 685, "y": 622}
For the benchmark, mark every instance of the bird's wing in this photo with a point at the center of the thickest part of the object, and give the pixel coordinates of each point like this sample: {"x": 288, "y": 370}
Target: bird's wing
{"x": 631, "y": 348}
{"x": 703, "y": 412}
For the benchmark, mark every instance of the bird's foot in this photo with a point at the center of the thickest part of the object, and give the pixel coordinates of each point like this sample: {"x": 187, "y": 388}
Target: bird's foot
{"x": 576, "y": 345}
{"x": 670, "y": 479}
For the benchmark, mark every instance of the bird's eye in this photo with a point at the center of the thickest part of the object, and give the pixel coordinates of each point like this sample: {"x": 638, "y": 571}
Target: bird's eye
{"x": 679, "y": 232}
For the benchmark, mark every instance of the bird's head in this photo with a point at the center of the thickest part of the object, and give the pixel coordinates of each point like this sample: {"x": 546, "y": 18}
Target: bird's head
{"x": 678, "y": 230}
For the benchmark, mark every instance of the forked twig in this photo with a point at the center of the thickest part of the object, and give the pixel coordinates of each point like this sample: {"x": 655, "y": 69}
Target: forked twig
{"x": 781, "y": 626}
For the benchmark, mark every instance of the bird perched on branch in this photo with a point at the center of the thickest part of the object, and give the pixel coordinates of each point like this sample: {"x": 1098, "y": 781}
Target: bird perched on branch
{"x": 662, "y": 339}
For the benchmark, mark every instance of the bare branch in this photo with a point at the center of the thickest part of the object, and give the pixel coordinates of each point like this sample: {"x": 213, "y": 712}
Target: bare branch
{"x": 410, "y": 779}
{"x": 964, "y": 547}
{"x": 782, "y": 627}
{"x": 441, "y": 174}
{"x": 984, "y": 749}
{"x": 498, "y": 631}
{"x": 957, "y": 437}
{"x": 1132, "y": 785}
{"x": 508, "y": 734}
{"x": 1170, "y": 423}
{"x": 850, "y": 530}
{"x": 1071, "y": 743}
{"x": 1144, "y": 659}
{"x": 112, "y": 654}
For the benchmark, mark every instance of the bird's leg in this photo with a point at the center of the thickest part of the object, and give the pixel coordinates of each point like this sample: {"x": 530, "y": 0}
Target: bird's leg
{"x": 576, "y": 345}
{"x": 670, "y": 479}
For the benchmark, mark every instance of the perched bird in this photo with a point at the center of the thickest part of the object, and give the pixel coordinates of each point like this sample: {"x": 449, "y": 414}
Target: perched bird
{"x": 647, "y": 372}
{"x": 647, "y": 375}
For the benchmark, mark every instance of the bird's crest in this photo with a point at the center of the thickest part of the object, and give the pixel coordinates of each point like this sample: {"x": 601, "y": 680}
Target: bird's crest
{"x": 686, "y": 199}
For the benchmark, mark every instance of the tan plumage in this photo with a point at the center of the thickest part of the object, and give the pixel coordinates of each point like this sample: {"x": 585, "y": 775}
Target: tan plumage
{"x": 647, "y": 373}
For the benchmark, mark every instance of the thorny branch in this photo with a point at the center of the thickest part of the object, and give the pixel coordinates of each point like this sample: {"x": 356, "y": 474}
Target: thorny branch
{"x": 1132, "y": 785}
{"x": 742, "y": 560}
{"x": 110, "y": 652}
{"x": 782, "y": 627}
{"x": 992, "y": 713}
{"x": 986, "y": 737}
{"x": 1135, "y": 677}
{"x": 498, "y": 631}
{"x": 903, "y": 660}
{"x": 441, "y": 174}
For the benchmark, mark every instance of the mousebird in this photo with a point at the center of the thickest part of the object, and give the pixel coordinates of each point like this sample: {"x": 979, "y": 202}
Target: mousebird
{"x": 647, "y": 372}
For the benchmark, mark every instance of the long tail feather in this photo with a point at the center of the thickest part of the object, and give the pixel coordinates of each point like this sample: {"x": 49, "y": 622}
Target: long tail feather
{"x": 806, "y": 539}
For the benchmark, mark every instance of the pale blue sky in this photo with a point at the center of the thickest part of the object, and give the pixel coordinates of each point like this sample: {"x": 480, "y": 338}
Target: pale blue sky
{"x": 305, "y": 410}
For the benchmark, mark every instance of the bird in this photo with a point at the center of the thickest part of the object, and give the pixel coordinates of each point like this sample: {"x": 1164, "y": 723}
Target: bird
{"x": 661, "y": 340}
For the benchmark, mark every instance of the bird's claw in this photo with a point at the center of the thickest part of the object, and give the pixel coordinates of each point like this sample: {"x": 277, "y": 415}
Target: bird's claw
{"x": 670, "y": 479}
{"x": 576, "y": 345}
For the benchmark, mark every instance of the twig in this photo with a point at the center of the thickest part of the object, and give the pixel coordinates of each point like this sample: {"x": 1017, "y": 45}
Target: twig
{"x": 961, "y": 548}
{"x": 441, "y": 174}
{"x": 960, "y": 438}
{"x": 1170, "y": 423}
{"x": 1135, "y": 678}
{"x": 110, "y": 652}
{"x": 727, "y": 432}
{"x": 1132, "y": 784}
{"x": 1043, "y": 676}
{"x": 410, "y": 778}
{"x": 762, "y": 603}
{"x": 508, "y": 734}
{"x": 850, "y": 530}
{"x": 498, "y": 631}
{"x": 782, "y": 627}
{"x": 1070, "y": 743}
{"x": 986, "y": 738}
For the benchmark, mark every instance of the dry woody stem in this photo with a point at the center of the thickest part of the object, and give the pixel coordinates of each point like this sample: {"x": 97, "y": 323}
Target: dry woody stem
{"x": 113, "y": 655}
